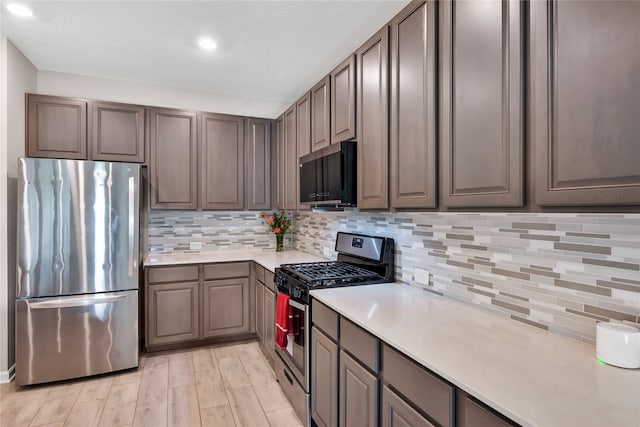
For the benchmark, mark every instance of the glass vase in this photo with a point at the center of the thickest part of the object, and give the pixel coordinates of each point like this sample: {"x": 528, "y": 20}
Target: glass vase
{"x": 279, "y": 242}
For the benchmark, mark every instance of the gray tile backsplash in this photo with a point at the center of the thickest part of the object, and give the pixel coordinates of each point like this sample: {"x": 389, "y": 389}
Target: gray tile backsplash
{"x": 559, "y": 272}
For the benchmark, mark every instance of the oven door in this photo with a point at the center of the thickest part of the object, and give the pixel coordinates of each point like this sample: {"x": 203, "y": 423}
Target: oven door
{"x": 296, "y": 355}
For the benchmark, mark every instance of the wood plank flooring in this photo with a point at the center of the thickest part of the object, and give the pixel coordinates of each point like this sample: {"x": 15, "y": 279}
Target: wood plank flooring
{"x": 208, "y": 386}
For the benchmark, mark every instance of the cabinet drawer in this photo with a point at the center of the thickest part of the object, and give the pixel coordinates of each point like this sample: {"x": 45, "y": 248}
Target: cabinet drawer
{"x": 182, "y": 273}
{"x": 226, "y": 270}
{"x": 471, "y": 413}
{"x": 325, "y": 319}
{"x": 360, "y": 343}
{"x": 269, "y": 280}
{"x": 258, "y": 271}
{"x": 294, "y": 391}
{"x": 424, "y": 389}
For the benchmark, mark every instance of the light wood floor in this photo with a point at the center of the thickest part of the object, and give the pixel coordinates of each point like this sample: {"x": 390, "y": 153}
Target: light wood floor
{"x": 208, "y": 386}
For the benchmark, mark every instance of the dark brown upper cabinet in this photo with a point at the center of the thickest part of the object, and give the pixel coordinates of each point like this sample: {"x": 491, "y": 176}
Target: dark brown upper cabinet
{"x": 373, "y": 122}
{"x": 320, "y": 115}
{"x": 343, "y": 101}
{"x": 585, "y": 102}
{"x": 303, "y": 124}
{"x": 280, "y": 163}
{"x": 413, "y": 179}
{"x": 258, "y": 164}
{"x": 481, "y": 133}
{"x": 173, "y": 164}
{"x": 56, "y": 127}
{"x": 117, "y": 132}
{"x": 290, "y": 157}
{"x": 221, "y": 161}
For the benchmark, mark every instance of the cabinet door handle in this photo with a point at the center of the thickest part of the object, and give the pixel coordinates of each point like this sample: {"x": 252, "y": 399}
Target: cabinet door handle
{"x": 286, "y": 374}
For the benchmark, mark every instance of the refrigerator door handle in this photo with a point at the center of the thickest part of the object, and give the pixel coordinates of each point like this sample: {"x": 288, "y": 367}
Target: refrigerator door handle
{"x": 75, "y": 302}
{"x": 132, "y": 226}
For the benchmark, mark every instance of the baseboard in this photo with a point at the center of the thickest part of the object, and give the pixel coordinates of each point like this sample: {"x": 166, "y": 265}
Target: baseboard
{"x": 7, "y": 376}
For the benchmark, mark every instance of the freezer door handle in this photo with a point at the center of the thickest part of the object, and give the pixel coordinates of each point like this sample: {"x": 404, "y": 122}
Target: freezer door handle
{"x": 69, "y": 302}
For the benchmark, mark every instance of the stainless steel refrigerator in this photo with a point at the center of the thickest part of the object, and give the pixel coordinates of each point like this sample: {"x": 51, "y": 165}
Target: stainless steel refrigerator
{"x": 77, "y": 285}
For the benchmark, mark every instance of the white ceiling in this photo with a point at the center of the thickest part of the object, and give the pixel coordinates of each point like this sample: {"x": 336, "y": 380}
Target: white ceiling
{"x": 272, "y": 50}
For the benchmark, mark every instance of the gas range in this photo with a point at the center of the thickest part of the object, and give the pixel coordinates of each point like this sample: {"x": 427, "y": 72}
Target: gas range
{"x": 361, "y": 260}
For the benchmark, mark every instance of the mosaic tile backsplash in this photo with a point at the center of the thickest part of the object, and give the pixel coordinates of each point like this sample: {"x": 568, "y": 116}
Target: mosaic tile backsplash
{"x": 171, "y": 231}
{"x": 558, "y": 272}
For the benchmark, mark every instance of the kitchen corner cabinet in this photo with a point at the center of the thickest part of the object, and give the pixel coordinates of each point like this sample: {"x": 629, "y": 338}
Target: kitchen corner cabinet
{"x": 221, "y": 154}
{"x": 413, "y": 107}
{"x": 117, "y": 132}
{"x": 257, "y": 168}
{"x": 290, "y": 157}
{"x": 320, "y": 114}
{"x": 280, "y": 163}
{"x": 343, "y": 100}
{"x": 173, "y": 159}
{"x": 482, "y": 107}
{"x": 303, "y": 124}
{"x": 373, "y": 122}
{"x": 585, "y": 102}
{"x": 265, "y": 311}
{"x": 56, "y": 127}
{"x": 188, "y": 304}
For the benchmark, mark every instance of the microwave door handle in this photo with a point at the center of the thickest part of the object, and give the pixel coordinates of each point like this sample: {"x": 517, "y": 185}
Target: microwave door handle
{"x": 297, "y": 305}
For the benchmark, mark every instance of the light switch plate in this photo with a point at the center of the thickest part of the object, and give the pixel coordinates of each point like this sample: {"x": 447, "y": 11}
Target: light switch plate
{"x": 422, "y": 276}
{"x": 195, "y": 246}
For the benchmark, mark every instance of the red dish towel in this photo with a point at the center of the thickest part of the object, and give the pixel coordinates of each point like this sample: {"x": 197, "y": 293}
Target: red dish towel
{"x": 284, "y": 317}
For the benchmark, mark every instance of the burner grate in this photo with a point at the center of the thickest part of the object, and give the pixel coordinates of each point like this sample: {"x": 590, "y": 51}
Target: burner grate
{"x": 332, "y": 270}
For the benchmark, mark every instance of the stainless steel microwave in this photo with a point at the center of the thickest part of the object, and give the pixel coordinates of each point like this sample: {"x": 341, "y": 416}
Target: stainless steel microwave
{"x": 328, "y": 176}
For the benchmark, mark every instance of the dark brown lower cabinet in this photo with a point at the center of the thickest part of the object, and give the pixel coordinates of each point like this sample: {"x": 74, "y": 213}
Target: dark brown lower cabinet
{"x": 358, "y": 394}
{"x": 259, "y": 309}
{"x": 172, "y": 313}
{"x": 265, "y": 311}
{"x": 225, "y": 307}
{"x": 398, "y": 413}
{"x": 324, "y": 380}
{"x": 270, "y": 324}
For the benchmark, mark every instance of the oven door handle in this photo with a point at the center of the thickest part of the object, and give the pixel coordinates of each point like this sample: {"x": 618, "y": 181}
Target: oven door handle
{"x": 297, "y": 305}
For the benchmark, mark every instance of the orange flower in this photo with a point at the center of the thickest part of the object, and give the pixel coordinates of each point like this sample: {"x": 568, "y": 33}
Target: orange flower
{"x": 263, "y": 214}
{"x": 276, "y": 230}
{"x": 270, "y": 219}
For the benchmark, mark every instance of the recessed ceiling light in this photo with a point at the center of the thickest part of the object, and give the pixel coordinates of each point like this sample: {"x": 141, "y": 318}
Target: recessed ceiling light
{"x": 19, "y": 10}
{"x": 207, "y": 44}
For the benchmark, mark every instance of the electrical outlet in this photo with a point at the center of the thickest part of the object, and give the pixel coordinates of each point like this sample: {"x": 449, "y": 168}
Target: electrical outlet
{"x": 195, "y": 246}
{"x": 421, "y": 276}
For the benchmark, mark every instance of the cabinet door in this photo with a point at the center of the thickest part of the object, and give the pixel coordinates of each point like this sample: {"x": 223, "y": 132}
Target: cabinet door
{"x": 258, "y": 164}
{"x": 373, "y": 122}
{"x": 270, "y": 322}
{"x": 173, "y": 167}
{"x": 225, "y": 307}
{"x": 585, "y": 102}
{"x": 56, "y": 127}
{"x": 358, "y": 394}
{"x": 117, "y": 132}
{"x": 413, "y": 108}
{"x": 303, "y": 124}
{"x": 290, "y": 160}
{"x": 324, "y": 380}
{"x": 280, "y": 163}
{"x": 398, "y": 413}
{"x": 343, "y": 101}
{"x": 221, "y": 161}
{"x": 173, "y": 313}
{"x": 320, "y": 113}
{"x": 260, "y": 306}
{"x": 482, "y": 103}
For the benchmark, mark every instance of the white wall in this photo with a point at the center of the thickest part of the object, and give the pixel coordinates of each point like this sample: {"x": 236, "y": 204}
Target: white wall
{"x": 19, "y": 76}
{"x": 63, "y": 84}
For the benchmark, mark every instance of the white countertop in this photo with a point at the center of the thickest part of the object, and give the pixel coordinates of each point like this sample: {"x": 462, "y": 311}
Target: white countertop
{"x": 534, "y": 377}
{"x": 269, "y": 259}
